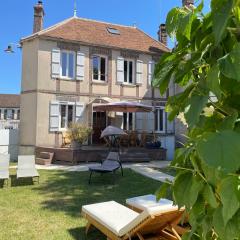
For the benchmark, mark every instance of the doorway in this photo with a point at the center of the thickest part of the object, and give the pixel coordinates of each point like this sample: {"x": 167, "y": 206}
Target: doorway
{"x": 99, "y": 124}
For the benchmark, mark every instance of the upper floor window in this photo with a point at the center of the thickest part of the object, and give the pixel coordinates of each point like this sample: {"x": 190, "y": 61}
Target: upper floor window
{"x": 99, "y": 68}
{"x": 8, "y": 114}
{"x": 128, "y": 71}
{"x": 67, "y": 64}
{"x": 18, "y": 114}
{"x": 160, "y": 120}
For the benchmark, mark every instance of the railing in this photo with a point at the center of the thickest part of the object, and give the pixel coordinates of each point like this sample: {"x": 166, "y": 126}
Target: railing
{"x": 9, "y": 124}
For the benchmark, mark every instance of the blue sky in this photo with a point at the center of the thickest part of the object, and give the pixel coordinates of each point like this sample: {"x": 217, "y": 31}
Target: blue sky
{"x": 17, "y": 19}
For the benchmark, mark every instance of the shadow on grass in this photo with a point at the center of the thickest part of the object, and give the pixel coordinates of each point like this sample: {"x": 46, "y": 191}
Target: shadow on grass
{"x": 79, "y": 234}
{"x": 17, "y": 182}
{"x": 69, "y": 191}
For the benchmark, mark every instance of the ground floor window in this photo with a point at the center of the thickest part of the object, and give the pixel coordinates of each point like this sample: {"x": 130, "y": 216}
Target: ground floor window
{"x": 66, "y": 115}
{"x": 128, "y": 121}
{"x": 159, "y": 119}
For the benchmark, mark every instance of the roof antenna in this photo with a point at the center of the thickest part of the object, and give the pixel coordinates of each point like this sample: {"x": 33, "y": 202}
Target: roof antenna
{"x": 75, "y": 8}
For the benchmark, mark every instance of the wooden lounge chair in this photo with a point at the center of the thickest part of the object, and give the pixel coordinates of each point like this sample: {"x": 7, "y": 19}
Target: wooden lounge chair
{"x": 110, "y": 165}
{"x": 26, "y": 167}
{"x": 4, "y": 166}
{"x": 118, "y": 222}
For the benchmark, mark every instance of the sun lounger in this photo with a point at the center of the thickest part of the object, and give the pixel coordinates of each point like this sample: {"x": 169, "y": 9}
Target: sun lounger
{"x": 118, "y": 222}
{"x": 111, "y": 164}
{"x": 26, "y": 167}
{"x": 4, "y": 166}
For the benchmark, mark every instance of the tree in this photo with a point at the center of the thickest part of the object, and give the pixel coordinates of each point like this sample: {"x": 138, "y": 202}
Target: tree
{"x": 206, "y": 63}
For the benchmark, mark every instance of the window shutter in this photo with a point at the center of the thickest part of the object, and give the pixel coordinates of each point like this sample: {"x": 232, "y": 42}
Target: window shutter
{"x": 54, "y": 116}
{"x": 151, "y": 67}
{"x": 80, "y": 66}
{"x": 150, "y": 121}
{"x": 120, "y": 70}
{"x": 139, "y": 72}
{"x": 56, "y": 62}
{"x": 79, "y": 112}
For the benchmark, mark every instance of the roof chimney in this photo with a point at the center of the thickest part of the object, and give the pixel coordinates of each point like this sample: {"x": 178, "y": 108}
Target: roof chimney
{"x": 187, "y": 3}
{"x": 38, "y": 17}
{"x": 162, "y": 34}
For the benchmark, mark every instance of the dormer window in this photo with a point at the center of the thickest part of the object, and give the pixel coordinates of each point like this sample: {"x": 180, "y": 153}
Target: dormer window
{"x": 113, "y": 31}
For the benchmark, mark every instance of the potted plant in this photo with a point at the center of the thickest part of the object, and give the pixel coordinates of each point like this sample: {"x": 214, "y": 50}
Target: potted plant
{"x": 78, "y": 134}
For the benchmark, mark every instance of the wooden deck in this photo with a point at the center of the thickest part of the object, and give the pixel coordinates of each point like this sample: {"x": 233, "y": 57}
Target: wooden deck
{"x": 97, "y": 153}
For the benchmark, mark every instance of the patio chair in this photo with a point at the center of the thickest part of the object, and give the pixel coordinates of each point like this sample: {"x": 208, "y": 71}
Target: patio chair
{"x": 26, "y": 167}
{"x": 110, "y": 165}
{"x": 118, "y": 222}
{"x": 4, "y": 167}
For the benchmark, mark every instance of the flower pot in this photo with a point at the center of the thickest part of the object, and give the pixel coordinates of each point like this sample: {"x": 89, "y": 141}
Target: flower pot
{"x": 75, "y": 145}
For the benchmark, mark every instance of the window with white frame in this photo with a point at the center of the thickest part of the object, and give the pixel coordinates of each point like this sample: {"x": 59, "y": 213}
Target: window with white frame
{"x": 160, "y": 120}
{"x": 99, "y": 64}
{"x": 8, "y": 114}
{"x": 128, "y": 71}
{"x": 66, "y": 115}
{"x": 128, "y": 121}
{"x": 67, "y": 64}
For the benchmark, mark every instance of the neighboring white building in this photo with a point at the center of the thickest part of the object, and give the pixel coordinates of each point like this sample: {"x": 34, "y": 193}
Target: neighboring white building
{"x": 9, "y": 111}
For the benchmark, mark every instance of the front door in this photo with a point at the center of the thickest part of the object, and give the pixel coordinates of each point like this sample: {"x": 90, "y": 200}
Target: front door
{"x": 99, "y": 124}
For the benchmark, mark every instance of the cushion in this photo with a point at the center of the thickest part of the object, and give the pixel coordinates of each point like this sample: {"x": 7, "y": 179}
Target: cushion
{"x": 112, "y": 215}
{"x": 21, "y": 173}
{"x": 148, "y": 201}
{"x": 4, "y": 174}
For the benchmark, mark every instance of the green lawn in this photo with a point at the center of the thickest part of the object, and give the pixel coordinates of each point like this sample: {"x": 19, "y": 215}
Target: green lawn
{"x": 51, "y": 210}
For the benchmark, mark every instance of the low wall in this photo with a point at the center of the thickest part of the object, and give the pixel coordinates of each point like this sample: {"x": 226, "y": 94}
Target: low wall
{"x": 9, "y": 142}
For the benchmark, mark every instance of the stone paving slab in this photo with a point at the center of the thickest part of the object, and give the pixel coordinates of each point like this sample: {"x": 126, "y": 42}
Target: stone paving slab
{"x": 145, "y": 169}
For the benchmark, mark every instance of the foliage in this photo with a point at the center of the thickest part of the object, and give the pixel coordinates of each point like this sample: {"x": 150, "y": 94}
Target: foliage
{"x": 78, "y": 133}
{"x": 205, "y": 64}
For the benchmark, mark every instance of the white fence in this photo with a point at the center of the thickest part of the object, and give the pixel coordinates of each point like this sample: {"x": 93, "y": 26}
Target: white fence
{"x": 9, "y": 141}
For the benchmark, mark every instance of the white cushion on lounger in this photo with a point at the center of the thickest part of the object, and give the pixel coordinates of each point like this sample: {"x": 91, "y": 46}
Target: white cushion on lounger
{"x": 148, "y": 201}
{"x": 112, "y": 215}
{"x": 21, "y": 173}
{"x": 118, "y": 218}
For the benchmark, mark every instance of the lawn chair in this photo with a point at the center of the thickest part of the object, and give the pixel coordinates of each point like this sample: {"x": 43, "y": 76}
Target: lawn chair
{"x": 110, "y": 165}
{"x": 4, "y": 167}
{"x": 118, "y": 222}
{"x": 26, "y": 167}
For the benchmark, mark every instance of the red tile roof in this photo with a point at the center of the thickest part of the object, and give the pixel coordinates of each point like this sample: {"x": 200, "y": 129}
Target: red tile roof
{"x": 9, "y": 101}
{"x": 95, "y": 33}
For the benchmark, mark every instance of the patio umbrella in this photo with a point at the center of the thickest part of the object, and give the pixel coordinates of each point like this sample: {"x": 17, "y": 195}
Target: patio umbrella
{"x": 112, "y": 131}
{"x": 123, "y": 107}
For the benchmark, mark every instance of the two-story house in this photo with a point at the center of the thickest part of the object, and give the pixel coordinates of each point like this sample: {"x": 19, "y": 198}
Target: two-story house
{"x": 72, "y": 66}
{"x": 9, "y": 111}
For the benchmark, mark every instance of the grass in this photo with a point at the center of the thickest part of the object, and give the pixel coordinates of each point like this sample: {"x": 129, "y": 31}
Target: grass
{"x": 51, "y": 210}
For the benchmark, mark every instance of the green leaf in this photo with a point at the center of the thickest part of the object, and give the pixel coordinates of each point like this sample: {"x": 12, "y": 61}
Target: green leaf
{"x": 218, "y": 222}
{"x": 220, "y": 150}
{"x": 162, "y": 192}
{"x": 229, "y": 122}
{"x": 209, "y": 196}
{"x": 213, "y": 81}
{"x": 221, "y": 10}
{"x": 197, "y": 212}
{"x": 230, "y": 64}
{"x": 186, "y": 189}
{"x": 228, "y": 194}
{"x": 194, "y": 109}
